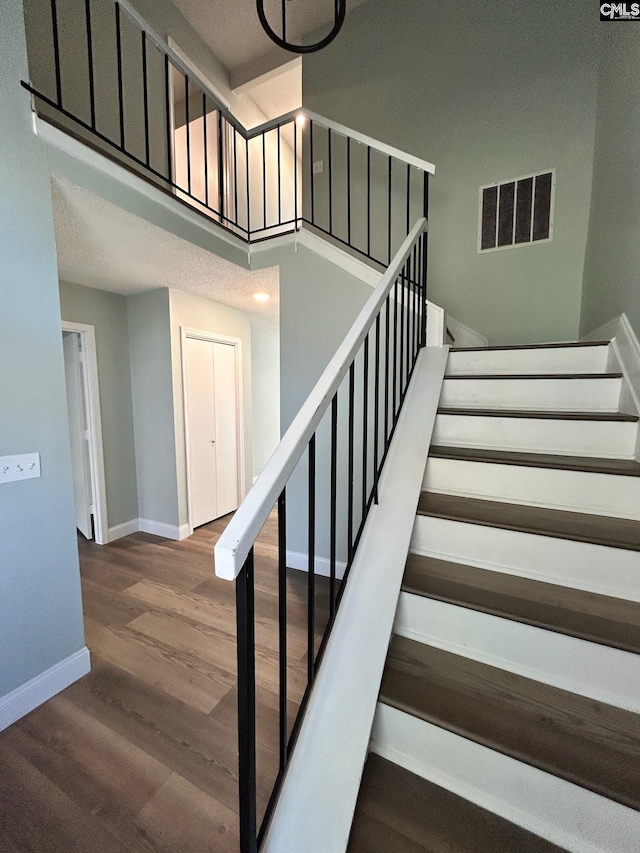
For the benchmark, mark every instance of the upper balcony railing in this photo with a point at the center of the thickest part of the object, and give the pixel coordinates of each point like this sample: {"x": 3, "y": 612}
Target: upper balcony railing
{"x": 101, "y": 73}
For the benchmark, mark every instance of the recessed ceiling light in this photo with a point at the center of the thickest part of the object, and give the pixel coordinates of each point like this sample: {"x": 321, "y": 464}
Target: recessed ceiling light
{"x": 261, "y": 297}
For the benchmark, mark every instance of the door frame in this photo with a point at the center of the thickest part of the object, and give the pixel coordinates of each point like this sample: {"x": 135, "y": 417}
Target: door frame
{"x": 215, "y": 338}
{"x": 94, "y": 422}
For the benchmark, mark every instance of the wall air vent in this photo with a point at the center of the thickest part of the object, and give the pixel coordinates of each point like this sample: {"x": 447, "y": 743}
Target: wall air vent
{"x": 516, "y": 213}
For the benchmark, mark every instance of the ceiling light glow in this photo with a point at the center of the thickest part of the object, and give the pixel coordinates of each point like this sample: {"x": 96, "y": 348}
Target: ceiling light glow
{"x": 261, "y": 297}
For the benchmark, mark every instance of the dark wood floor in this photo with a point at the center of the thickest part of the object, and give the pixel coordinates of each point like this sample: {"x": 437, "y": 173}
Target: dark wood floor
{"x": 141, "y": 754}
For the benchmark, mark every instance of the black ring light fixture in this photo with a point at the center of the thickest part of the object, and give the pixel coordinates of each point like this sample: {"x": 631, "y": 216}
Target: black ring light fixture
{"x": 340, "y": 10}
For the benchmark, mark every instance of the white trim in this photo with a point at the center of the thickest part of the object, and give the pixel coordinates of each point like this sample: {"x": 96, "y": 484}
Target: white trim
{"x": 94, "y": 422}
{"x": 626, "y": 346}
{"x": 237, "y": 540}
{"x": 318, "y": 797}
{"x": 43, "y": 687}
{"x": 573, "y": 817}
{"x": 464, "y": 336}
{"x": 167, "y": 531}
{"x": 529, "y": 242}
{"x": 300, "y": 561}
{"x": 216, "y": 338}
{"x": 124, "y": 529}
{"x": 337, "y": 256}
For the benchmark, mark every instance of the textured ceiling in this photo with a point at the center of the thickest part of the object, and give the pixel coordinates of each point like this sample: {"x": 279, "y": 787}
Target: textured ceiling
{"x": 233, "y": 32}
{"x": 100, "y": 245}
{"x": 281, "y": 95}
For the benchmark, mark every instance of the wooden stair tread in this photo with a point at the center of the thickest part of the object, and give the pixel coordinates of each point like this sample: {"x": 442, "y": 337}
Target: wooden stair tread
{"x": 560, "y": 345}
{"x": 586, "y": 742}
{"x": 561, "y": 524}
{"x": 597, "y": 618}
{"x": 586, "y": 464}
{"x": 533, "y": 376}
{"x": 540, "y": 415}
{"x": 399, "y": 812}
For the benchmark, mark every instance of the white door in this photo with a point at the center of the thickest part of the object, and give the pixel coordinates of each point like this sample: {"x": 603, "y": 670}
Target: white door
{"x": 212, "y": 425}
{"x": 78, "y": 434}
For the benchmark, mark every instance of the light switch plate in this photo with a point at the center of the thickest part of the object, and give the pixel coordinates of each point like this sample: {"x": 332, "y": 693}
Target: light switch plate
{"x": 318, "y": 167}
{"x": 23, "y": 467}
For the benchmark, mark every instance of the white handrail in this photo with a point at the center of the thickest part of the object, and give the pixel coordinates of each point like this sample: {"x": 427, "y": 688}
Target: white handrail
{"x": 232, "y": 549}
{"x": 342, "y": 130}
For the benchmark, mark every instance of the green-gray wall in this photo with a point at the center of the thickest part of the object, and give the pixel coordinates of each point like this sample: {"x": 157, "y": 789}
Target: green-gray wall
{"x": 40, "y": 603}
{"x": 152, "y": 395}
{"x": 612, "y": 262}
{"x": 107, "y": 312}
{"x": 486, "y": 91}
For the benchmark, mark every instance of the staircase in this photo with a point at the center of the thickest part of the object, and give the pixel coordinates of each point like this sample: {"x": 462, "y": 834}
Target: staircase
{"x": 508, "y": 716}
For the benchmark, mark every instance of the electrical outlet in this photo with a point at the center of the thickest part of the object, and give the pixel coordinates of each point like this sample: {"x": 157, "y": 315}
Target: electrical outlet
{"x": 318, "y": 167}
{"x": 23, "y": 467}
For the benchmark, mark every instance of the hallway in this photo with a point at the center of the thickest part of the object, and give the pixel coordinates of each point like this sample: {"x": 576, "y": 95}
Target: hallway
{"x": 141, "y": 754}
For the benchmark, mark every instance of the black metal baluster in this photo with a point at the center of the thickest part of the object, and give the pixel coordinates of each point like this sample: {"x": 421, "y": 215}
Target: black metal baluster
{"x": 235, "y": 177}
{"x": 264, "y": 180}
{"x": 387, "y": 324}
{"x": 187, "y": 131}
{"x": 313, "y": 205}
{"x": 295, "y": 174}
{"x": 169, "y": 129}
{"x": 145, "y": 99}
{"x": 395, "y": 350}
{"x": 282, "y": 626}
{"x": 376, "y": 409}
{"x": 279, "y": 182}
{"x": 92, "y": 93}
{"x": 403, "y": 287}
{"x": 333, "y": 508}
{"x": 352, "y": 378}
{"x": 119, "y": 71}
{"x": 423, "y": 328}
{"x": 311, "y": 565}
{"x": 349, "y": 190}
{"x": 205, "y": 143}
{"x": 365, "y": 422}
{"x": 245, "y": 619}
{"x": 221, "y": 169}
{"x": 56, "y": 49}
{"x": 329, "y": 171}
{"x": 246, "y": 150}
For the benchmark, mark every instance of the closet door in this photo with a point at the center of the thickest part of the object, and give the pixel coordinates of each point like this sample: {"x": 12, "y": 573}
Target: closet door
{"x": 212, "y": 426}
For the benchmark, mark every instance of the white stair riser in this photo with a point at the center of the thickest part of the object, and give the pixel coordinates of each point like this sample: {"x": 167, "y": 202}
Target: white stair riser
{"x": 580, "y": 565}
{"x": 553, "y": 360}
{"x": 572, "y": 817}
{"x": 578, "y": 491}
{"x": 590, "y": 669}
{"x": 611, "y": 439}
{"x": 547, "y": 395}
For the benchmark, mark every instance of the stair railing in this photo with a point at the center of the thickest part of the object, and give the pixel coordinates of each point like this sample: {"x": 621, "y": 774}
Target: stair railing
{"x": 108, "y": 78}
{"x": 329, "y": 463}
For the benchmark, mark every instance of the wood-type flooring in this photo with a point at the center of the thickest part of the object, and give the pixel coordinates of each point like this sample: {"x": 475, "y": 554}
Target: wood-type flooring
{"x": 140, "y": 756}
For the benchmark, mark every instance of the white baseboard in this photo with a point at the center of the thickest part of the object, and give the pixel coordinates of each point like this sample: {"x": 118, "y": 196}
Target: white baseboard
{"x": 299, "y": 560}
{"x": 159, "y": 528}
{"x": 43, "y": 687}
{"x": 146, "y": 525}
{"x": 124, "y": 529}
{"x": 627, "y": 349}
{"x": 345, "y": 260}
{"x": 463, "y": 335}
